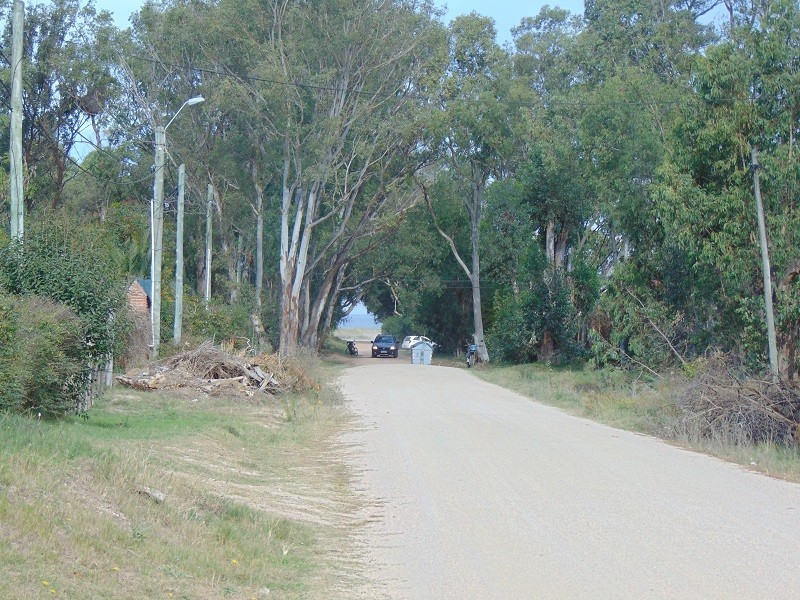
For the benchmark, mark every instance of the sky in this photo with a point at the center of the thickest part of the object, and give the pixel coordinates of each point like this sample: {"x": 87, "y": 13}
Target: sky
{"x": 506, "y": 13}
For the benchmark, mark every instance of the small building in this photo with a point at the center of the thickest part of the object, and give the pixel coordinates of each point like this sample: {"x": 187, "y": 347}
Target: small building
{"x": 421, "y": 353}
{"x": 137, "y": 348}
{"x": 139, "y": 297}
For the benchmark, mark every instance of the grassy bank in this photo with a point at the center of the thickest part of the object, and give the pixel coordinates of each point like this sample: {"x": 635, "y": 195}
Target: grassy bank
{"x": 251, "y": 500}
{"x": 629, "y": 401}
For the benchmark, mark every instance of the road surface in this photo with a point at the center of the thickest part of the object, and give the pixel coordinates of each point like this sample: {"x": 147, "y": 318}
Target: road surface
{"x": 486, "y": 494}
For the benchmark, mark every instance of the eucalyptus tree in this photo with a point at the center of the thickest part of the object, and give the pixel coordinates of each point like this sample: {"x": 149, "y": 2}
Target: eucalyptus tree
{"x": 65, "y": 89}
{"x": 747, "y": 97}
{"x": 348, "y": 76}
{"x": 479, "y": 104}
{"x": 634, "y": 60}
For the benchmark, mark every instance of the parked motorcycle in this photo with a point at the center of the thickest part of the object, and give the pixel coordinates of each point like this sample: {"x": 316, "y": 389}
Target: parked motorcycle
{"x": 472, "y": 350}
{"x": 351, "y": 348}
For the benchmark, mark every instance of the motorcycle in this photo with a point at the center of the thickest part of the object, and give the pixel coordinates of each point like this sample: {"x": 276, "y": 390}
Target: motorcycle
{"x": 351, "y": 348}
{"x": 472, "y": 350}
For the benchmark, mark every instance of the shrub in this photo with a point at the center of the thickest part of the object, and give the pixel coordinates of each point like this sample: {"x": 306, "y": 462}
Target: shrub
{"x": 10, "y": 380}
{"x": 55, "y": 375}
{"x": 70, "y": 265}
{"x": 70, "y": 312}
{"x": 42, "y": 367}
{"x": 511, "y": 336}
{"x": 219, "y": 322}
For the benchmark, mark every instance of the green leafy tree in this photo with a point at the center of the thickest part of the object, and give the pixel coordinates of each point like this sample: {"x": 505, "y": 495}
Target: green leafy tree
{"x": 76, "y": 267}
{"x": 66, "y": 89}
{"x": 747, "y": 91}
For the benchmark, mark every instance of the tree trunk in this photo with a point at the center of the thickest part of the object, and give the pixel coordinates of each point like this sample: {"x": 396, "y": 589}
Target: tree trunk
{"x": 294, "y": 257}
{"x": 258, "y": 209}
{"x": 327, "y": 323}
{"x": 475, "y": 276}
{"x": 550, "y": 243}
{"x": 473, "y": 206}
{"x": 560, "y": 254}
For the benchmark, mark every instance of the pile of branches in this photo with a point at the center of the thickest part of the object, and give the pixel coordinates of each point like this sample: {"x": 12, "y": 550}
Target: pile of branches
{"x": 725, "y": 402}
{"x": 211, "y": 370}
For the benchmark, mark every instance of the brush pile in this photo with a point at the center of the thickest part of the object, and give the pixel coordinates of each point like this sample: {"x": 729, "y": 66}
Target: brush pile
{"x": 725, "y": 402}
{"x": 214, "y": 371}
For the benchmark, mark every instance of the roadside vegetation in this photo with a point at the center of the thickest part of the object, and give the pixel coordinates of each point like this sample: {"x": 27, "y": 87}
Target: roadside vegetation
{"x": 171, "y": 495}
{"x": 582, "y": 194}
{"x": 639, "y": 402}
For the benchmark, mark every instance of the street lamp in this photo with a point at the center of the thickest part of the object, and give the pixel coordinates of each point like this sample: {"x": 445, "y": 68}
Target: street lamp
{"x": 157, "y": 227}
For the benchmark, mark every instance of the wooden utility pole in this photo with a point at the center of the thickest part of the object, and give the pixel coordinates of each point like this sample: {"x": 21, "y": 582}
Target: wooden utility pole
{"x": 176, "y": 329}
{"x": 15, "y": 146}
{"x": 209, "y": 215}
{"x": 765, "y": 266}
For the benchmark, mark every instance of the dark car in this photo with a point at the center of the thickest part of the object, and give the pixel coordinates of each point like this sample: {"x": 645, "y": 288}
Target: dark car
{"x": 384, "y": 345}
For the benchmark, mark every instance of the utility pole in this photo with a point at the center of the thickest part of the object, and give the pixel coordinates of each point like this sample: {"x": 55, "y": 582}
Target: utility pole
{"x": 157, "y": 224}
{"x": 765, "y": 266}
{"x": 156, "y": 239}
{"x": 15, "y": 146}
{"x": 209, "y": 215}
{"x": 176, "y": 330}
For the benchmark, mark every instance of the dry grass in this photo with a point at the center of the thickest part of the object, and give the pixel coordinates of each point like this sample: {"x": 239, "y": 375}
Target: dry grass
{"x": 629, "y": 401}
{"x": 256, "y": 498}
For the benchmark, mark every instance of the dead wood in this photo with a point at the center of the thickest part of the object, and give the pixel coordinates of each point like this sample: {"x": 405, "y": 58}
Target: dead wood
{"x": 146, "y": 382}
{"x": 211, "y": 369}
{"x": 724, "y": 401}
{"x": 158, "y": 497}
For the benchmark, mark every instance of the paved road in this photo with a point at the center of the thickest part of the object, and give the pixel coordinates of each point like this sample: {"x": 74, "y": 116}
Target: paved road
{"x": 488, "y": 495}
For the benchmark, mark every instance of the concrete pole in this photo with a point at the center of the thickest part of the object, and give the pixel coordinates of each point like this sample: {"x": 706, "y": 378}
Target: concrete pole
{"x": 209, "y": 215}
{"x": 15, "y": 146}
{"x": 765, "y": 266}
{"x": 156, "y": 239}
{"x": 176, "y": 330}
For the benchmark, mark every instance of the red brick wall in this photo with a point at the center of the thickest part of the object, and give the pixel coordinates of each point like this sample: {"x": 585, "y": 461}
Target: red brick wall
{"x": 137, "y": 347}
{"x": 137, "y": 299}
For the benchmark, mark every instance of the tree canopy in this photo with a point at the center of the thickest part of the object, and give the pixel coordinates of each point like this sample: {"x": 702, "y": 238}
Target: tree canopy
{"x": 585, "y": 187}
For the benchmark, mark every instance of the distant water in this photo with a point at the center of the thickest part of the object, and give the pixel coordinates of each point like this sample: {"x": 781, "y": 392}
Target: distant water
{"x": 360, "y": 321}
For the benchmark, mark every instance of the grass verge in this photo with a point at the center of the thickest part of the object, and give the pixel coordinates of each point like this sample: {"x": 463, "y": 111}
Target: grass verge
{"x": 636, "y": 403}
{"x": 253, "y": 499}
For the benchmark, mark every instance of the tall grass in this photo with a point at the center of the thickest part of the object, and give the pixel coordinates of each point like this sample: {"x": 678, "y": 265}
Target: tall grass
{"x": 77, "y": 521}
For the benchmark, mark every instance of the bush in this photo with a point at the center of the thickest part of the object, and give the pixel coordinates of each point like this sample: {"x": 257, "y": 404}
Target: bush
{"x": 511, "y": 336}
{"x": 42, "y": 368}
{"x": 70, "y": 266}
{"x": 535, "y": 324}
{"x": 55, "y": 374}
{"x": 10, "y": 380}
{"x": 65, "y": 310}
{"x": 220, "y": 322}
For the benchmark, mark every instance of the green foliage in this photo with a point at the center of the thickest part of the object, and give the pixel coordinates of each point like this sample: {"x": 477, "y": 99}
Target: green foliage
{"x": 65, "y": 300}
{"x": 55, "y": 375}
{"x": 620, "y": 137}
{"x": 70, "y": 265}
{"x": 219, "y": 322}
{"x": 511, "y": 336}
{"x": 42, "y": 358}
{"x": 537, "y": 323}
{"x": 10, "y": 354}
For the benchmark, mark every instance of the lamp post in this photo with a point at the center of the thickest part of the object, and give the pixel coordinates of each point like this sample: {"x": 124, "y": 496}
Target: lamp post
{"x": 157, "y": 227}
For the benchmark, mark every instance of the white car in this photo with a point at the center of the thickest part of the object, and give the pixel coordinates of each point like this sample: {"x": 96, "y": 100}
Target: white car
{"x": 410, "y": 340}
